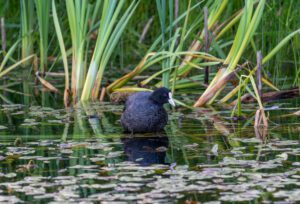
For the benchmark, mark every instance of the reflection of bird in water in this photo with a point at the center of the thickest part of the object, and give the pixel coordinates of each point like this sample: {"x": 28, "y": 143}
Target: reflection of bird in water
{"x": 146, "y": 150}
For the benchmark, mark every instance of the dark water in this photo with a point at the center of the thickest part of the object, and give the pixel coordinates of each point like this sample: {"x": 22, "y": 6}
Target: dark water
{"x": 81, "y": 155}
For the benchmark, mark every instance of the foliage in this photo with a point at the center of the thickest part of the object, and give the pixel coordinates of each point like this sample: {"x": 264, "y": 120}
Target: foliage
{"x": 97, "y": 41}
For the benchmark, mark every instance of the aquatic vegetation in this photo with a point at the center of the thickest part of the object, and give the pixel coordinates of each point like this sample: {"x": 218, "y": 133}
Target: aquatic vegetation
{"x": 241, "y": 54}
{"x": 188, "y": 163}
{"x": 85, "y": 81}
{"x": 27, "y": 24}
{"x": 248, "y": 18}
{"x": 43, "y": 13}
{"x": 185, "y": 49}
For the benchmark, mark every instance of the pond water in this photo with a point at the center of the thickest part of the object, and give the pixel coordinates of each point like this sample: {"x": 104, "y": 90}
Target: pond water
{"x": 80, "y": 155}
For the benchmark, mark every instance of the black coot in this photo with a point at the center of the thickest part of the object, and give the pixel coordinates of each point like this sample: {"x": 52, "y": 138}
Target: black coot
{"x": 144, "y": 111}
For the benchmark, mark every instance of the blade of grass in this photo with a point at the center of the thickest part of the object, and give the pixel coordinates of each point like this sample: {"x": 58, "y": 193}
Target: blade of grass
{"x": 43, "y": 12}
{"x": 63, "y": 53}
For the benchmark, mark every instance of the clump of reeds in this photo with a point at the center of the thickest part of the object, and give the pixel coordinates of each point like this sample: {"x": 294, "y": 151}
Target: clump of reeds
{"x": 194, "y": 37}
{"x": 86, "y": 74}
{"x": 177, "y": 64}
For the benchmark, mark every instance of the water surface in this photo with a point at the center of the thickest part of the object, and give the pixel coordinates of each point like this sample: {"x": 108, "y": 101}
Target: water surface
{"x": 205, "y": 155}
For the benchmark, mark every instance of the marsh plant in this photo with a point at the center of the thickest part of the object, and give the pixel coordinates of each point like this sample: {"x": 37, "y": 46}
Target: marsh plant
{"x": 183, "y": 45}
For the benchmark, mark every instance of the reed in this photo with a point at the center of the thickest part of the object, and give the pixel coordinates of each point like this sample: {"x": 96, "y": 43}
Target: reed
{"x": 266, "y": 59}
{"x": 177, "y": 47}
{"x": 5, "y": 70}
{"x": 245, "y": 32}
{"x": 63, "y": 54}
{"x": 43, "y": 13}
{"x": 86, "y": 76}
{"x": 109, "y": 33}
{"x": 168, "y": 52}
{"x": 27, "y": 27}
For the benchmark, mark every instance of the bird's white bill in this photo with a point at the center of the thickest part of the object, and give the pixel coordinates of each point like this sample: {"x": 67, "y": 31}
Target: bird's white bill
{"x": 170, "y": 100}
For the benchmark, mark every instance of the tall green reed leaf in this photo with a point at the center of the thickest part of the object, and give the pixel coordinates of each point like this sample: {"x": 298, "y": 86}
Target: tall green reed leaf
{"x": 78, "y": 15}
{"x": 63, "y": 53}
{"x": 27, "y": 23}
{"x": 43, "y": 12}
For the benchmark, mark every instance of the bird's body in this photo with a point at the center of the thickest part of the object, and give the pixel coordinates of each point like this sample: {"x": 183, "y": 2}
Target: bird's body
{"x": 144, "y": 112}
